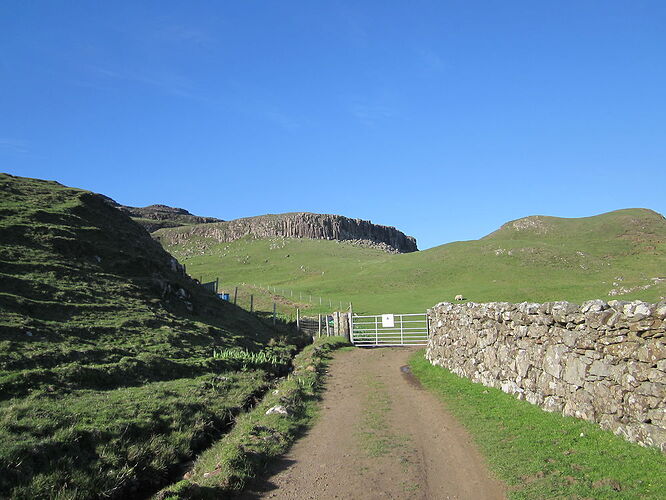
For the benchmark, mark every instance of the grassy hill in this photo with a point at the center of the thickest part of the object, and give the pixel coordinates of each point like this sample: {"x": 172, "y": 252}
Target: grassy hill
{"x": 617, "y": 255}
{"x": 108, "y": 379}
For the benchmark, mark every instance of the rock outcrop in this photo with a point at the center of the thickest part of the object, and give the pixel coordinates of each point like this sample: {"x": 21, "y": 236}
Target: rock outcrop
{"x": 297, "y": 225}
{"x": 603, "y": 362}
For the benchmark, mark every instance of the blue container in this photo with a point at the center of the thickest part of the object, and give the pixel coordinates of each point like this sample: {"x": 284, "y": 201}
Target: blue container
{"x": 223, "y": 296}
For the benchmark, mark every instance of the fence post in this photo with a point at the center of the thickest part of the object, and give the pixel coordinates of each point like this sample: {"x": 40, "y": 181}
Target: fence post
{"x": 217, "y": 283}
{"x": 328, "y": 333}
{"x": 251, "y": 303}
{"x": 319, "y": 334}
{"x": 273, "y": 314}
{"x": 298, "y": 320}
{"x": 235, "y": 294}
{"x": 351, "y": 323}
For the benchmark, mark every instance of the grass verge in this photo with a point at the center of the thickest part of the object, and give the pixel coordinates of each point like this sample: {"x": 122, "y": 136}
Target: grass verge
{"x": 258, "y": 436}
{"x": 545, "y": 455}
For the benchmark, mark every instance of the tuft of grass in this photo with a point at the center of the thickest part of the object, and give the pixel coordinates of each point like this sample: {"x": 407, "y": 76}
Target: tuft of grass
{"x": 545, "y": 455}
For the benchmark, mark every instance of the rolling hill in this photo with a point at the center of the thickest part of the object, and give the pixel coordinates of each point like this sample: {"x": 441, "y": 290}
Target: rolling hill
{"x": 617, "y": 255}
{"x": 108, "y": 374}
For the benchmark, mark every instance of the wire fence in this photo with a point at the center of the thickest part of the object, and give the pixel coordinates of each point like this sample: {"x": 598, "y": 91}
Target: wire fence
{"x": 281, "y": 305}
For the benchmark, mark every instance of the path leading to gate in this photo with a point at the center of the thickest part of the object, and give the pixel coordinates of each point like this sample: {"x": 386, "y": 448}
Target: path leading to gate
{"x": 378, "y": 436}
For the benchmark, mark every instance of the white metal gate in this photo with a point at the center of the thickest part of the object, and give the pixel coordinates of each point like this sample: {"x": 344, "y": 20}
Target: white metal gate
{"x": 389, "y": 329}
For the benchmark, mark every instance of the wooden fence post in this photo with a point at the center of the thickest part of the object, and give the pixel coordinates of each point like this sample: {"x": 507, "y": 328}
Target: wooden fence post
{"x": 319, "y": 334}
{"x": 235, "y": 294}
{"x": 298, "y": 320}
{"x": 274, "y": 314}
{"x": 328, "y": 333}
{"x": 251, "y": 303}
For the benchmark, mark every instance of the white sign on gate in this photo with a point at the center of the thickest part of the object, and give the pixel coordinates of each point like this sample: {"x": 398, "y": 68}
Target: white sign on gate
{"x": 388, "y": 321}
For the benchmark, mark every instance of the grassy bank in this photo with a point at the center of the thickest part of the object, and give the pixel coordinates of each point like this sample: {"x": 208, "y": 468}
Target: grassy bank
{"x": 115, "y": 366}
{"x": 545, "y": 455}
{"x": 257, "y": 437}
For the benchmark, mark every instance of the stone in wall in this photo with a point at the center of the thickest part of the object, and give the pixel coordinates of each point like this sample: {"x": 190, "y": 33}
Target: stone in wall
{"x": 603, "y": 362}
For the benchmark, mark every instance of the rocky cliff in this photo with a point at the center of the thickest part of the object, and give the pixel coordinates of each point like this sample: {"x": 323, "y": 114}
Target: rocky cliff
{"x": 297, "y": 225}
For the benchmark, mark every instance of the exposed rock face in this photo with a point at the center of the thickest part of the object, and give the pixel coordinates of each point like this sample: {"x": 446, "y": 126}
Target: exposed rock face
{"x": 154, "y": 217}
{"x": 604, "y": 362}
{"x": 297, "y": 225}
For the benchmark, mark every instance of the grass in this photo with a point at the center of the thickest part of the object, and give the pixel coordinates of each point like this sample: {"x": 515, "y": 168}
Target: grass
{"x": 258, "y": 437}
{"x": 551, "y": 259}
{"x": 545, "y": 455}
{"x": 106, "y": 443}
{"x": 375, "y": 434}
{"x": 108, "y": 373}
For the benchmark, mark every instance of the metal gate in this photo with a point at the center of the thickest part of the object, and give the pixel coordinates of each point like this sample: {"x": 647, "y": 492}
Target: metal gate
{"x": 390, "y": 330}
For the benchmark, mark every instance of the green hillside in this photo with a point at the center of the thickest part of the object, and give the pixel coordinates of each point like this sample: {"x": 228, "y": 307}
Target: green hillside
{"x": 618, "y": 255}
{"x": 108, "y": 379}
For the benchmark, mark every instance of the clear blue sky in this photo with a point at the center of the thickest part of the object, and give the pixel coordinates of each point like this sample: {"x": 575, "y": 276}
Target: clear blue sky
{"x": 445, "y": 119}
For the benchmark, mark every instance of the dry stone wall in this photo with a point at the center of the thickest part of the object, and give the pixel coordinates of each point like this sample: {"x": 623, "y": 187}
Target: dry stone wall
{"x": 603, "y": 362}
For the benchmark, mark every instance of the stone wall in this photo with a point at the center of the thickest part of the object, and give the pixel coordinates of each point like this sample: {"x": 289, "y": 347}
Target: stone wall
{"x": 297, "y": 225}
{"x": 603, "y": 362}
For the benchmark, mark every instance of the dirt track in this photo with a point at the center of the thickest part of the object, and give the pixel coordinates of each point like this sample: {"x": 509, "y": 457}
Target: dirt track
{"x": 379, "y": 435}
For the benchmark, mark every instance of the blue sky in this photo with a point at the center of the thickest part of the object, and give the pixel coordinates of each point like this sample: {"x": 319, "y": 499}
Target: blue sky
{"x": 444, "y": 119}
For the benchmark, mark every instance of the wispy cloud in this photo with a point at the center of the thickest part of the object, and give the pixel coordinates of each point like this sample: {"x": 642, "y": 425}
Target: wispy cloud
{"x": 15, "y": 146}
{"x": 167, "y": 82}
{"x": 430, "y": 59}
{"x": 186, "y": 34}
{"x": 283, "y": 120}
{"x": 370, "y": 114}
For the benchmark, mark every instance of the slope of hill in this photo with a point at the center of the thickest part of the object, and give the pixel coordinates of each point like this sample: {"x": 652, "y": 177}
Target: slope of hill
{"x": 297, "y": 225}
{"x": 618, "y": 255}
{"x": 108, "y": 378}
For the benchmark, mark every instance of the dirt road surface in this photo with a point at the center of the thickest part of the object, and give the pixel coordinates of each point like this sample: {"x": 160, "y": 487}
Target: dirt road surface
{"x": 379, "y": 435}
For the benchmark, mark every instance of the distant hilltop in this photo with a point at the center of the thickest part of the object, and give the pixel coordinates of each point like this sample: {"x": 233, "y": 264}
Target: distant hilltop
{"x": 296, "y": 225}
{"x": 154, "y": 217}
